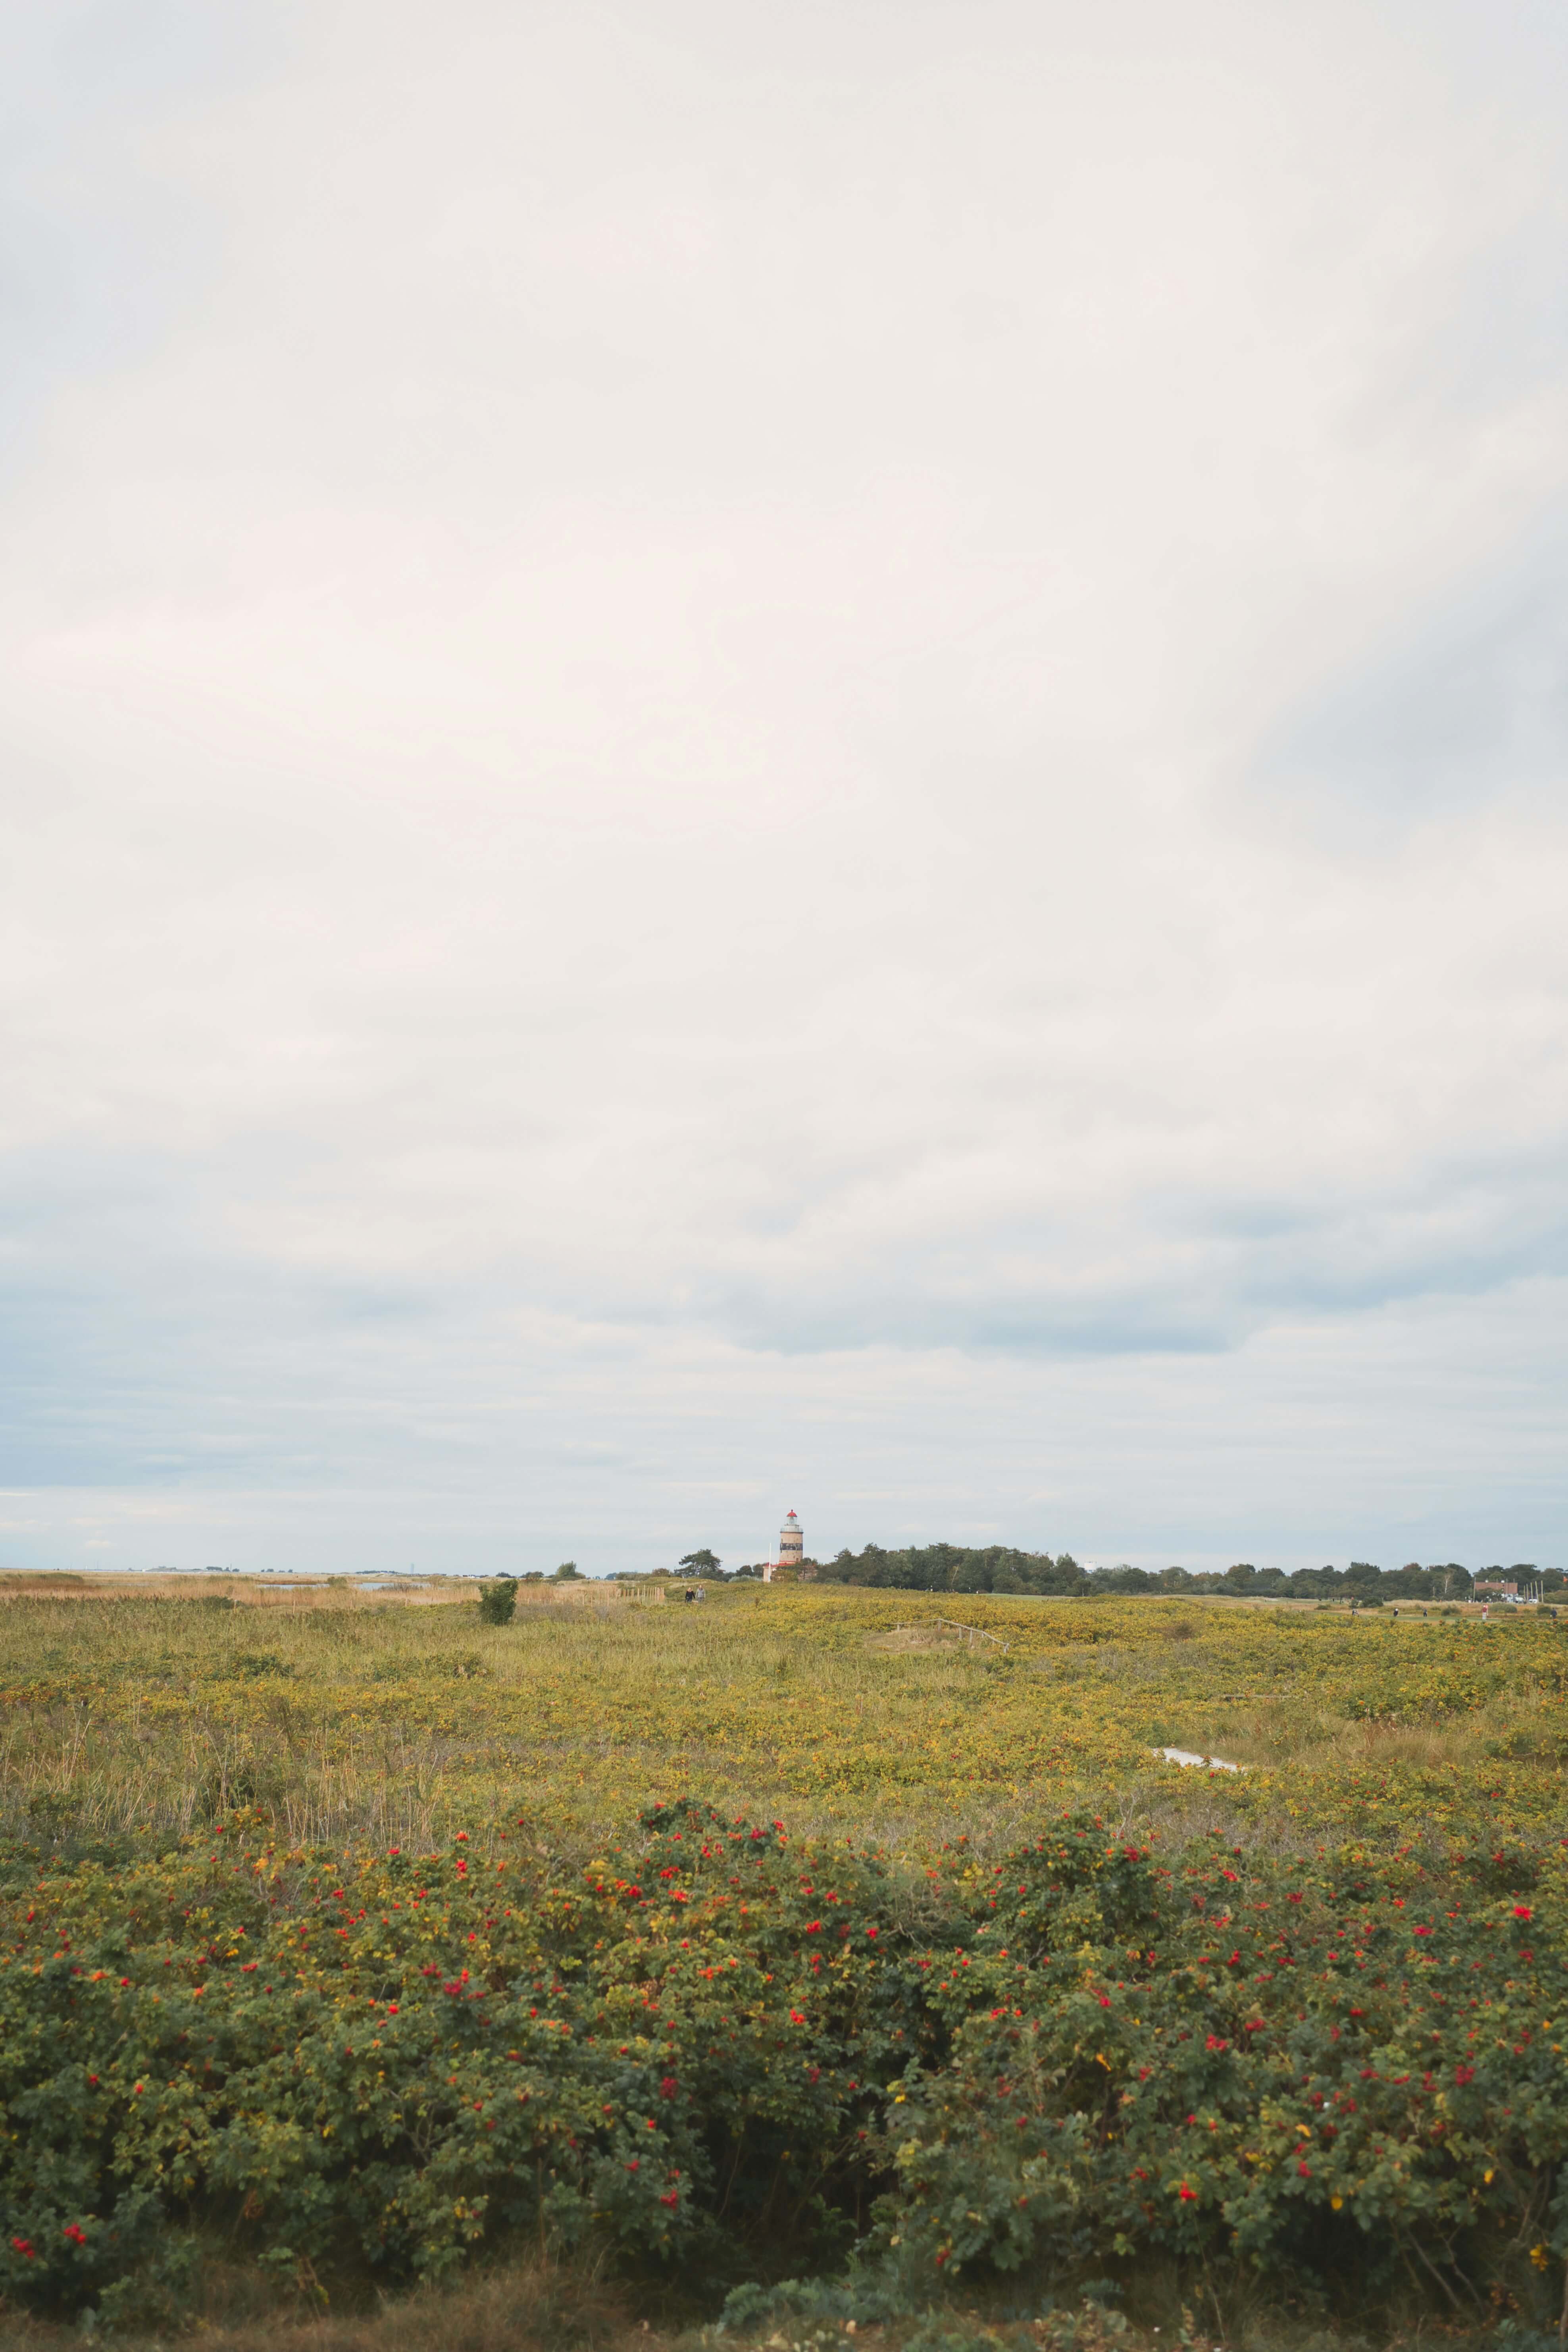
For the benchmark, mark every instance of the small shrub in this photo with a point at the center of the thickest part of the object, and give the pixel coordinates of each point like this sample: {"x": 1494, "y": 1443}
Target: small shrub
{"x": 261, "y": 1665}
{"x": 53, "y": 1812}
{"x": 463, "y": 1665}
{"x": 498, "y": 1602}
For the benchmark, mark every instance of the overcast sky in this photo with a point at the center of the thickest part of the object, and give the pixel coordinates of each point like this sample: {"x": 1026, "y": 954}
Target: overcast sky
{"x": 763, "y": 755}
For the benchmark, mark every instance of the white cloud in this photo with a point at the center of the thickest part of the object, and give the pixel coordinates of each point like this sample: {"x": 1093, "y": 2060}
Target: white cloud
{"x": 715, "y": 689}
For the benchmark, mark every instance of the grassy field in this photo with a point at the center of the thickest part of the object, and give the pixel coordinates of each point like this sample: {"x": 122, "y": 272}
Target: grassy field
{"x": 359, "y": 1719}
{"x": 350, "y": 1949}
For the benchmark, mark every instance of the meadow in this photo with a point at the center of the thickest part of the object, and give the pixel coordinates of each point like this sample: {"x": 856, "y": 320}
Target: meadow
{"x": 793, "y": 1936}
{"x": 133, "y": 1718}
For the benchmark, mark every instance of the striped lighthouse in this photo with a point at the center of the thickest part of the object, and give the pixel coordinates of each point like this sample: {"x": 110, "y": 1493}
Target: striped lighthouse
{"x": 792, "y": 1547}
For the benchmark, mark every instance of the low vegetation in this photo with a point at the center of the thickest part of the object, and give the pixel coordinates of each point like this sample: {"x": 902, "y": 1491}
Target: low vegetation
{"x": 703, "y": 1951}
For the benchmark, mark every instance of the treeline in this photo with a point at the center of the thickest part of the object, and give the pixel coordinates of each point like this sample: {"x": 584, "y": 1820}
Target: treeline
{"x": 997, "y": 1568}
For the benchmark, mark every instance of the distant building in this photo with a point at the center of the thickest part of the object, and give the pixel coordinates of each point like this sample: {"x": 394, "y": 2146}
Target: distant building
{"x": 1505, "y": 1588}
{"x": 792, "y": 1548}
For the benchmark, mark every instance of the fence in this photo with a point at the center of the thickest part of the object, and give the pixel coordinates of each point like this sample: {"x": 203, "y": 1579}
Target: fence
{"x": 971, "y": 1634}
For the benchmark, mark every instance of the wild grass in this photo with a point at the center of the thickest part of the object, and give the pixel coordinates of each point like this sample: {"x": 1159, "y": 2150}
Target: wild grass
{"x": 133, "y": 1719}
{"x": 513, "y": 2307}
{"x": 541, "y": 2306}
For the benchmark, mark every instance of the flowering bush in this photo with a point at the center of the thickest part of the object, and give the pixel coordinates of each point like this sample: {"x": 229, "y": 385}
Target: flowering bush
{"x": 713, "y": 2040}
{"x": 1293, "y": 2064}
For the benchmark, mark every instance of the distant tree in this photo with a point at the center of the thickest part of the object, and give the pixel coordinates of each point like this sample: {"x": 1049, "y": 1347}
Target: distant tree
{"x": 1125, "y": 1578}
{"x": 1315, "y": 1583}
{"x": 959, "y": 1568}
{"x": 569, "y": 1573}
{"x": 498, "y": 1602}
{"x": 701, "y": 1563}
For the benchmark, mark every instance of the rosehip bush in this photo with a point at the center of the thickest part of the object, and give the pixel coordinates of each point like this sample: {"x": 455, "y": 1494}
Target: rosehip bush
{"x": 714, "y": 2049}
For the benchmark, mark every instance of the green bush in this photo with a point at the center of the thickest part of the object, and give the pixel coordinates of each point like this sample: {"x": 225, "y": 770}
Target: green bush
{"x": 709, "y": 2052}
{"x": 498, "y": 1602}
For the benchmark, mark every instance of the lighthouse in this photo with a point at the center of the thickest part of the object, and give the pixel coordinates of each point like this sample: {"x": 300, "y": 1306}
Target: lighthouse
{"x": 792, "y": 1546}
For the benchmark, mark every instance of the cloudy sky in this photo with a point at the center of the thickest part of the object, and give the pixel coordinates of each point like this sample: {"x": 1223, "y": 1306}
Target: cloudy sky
{"x": 760, "y": 755}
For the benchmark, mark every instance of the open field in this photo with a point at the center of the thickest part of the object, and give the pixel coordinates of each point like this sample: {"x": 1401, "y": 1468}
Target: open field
{"x": 364, "y": 1719}
{"x": 692, "y": 1947}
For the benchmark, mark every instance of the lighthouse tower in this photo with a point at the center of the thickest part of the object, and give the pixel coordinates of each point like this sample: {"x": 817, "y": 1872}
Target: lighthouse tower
{"x": 792, "y": 1546}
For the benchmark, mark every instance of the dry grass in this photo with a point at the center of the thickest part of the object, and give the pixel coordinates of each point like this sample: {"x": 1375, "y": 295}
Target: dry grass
{"x": 907, "y": 1638}
{"x": 542, "y": 2308}
{"x": 520, "y": 2308}
{"x": 1314, "y": 1740}
{"x": 314, "y": 1593}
